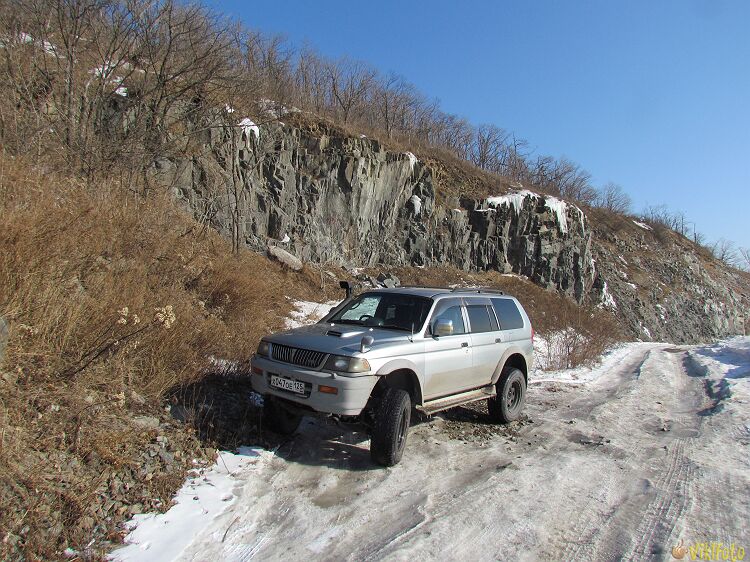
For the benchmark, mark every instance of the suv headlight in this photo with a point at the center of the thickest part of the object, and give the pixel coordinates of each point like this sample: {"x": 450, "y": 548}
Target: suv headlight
{"x": 263, "y": 349}
{"x": 347, "y": 364}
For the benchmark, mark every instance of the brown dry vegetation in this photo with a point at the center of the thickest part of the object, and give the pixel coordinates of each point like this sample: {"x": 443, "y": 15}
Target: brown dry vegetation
{"x": 78, "y": 367}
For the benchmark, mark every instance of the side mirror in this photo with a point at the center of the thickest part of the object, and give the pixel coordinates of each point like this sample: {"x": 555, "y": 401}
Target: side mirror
{"x": 347, "y": 287}
{"x": 366, "y": 343}
{"x": 444, "y": 327}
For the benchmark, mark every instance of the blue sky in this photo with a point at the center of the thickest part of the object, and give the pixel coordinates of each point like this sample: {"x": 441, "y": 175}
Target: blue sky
{"x": 652, "y": 95}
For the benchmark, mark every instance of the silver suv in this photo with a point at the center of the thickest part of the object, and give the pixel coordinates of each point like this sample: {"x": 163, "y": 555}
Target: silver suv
{"x": 380, "y": 353}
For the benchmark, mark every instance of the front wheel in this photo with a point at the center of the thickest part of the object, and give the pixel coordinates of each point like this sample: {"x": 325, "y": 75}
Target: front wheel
{"x": 392, "y": 417}
{"x": 279, "y": 419}
{"x": 511, "y": 396}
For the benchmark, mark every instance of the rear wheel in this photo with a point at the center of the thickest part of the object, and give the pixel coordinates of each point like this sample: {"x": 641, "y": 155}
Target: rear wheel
{"x": 279, "y": 419}
{"x": 511, "y": 396}
{"x": 392, "y": 418}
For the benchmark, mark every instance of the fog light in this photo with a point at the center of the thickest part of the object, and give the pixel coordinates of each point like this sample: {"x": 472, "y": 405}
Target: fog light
{"x": 327, "y": 389}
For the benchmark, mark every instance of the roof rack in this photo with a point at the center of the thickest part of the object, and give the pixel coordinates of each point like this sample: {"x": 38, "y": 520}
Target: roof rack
{"x": 477, "y": 290}
{"x": 488, "y": 290}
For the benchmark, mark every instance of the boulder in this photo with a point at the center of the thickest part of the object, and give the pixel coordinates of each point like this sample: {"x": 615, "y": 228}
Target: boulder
{"x": 289, "y": 260}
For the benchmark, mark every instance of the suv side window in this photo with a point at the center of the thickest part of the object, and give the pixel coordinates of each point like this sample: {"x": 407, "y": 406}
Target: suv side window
{"x": 449, "y": 309}
{"x": 507, "y": 314}
{"x": 480, "y": 318}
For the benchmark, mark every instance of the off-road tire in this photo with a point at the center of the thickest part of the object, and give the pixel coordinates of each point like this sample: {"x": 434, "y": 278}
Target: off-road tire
{"x": 511, "y": 396}
{"x": 392, "y": 417}
{"x": 279, "y": 419}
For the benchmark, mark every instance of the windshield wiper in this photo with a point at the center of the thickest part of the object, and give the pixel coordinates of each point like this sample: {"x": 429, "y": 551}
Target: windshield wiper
{"x": 393, "y": 327}
{"x": 355, "y": 322}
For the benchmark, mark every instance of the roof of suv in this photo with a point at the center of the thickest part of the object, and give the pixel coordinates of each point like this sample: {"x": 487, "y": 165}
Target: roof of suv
{"x": 435, "y": 291}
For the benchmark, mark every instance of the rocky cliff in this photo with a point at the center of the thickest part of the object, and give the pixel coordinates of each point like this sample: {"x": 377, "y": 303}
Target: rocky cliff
{"x": 332, "y": 198}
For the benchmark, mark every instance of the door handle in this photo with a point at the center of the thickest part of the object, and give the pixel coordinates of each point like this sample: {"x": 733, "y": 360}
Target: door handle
{"x": 465, "y": 344}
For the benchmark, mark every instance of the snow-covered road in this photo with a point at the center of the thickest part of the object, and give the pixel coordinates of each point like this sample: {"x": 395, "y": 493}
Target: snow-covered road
{"x": 647, "y": 450}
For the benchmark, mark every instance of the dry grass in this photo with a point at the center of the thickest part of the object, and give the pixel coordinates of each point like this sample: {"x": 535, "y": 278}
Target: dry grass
{"x": 111, "y": 301}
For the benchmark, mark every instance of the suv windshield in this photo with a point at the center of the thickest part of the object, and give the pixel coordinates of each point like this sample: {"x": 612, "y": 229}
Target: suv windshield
{"x": 385, "y": 310}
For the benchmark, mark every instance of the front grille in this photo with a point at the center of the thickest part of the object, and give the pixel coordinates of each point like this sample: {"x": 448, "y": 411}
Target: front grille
{"x": 296, "y": 356}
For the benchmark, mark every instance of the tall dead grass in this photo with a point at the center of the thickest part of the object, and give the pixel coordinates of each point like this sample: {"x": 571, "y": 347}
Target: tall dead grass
{"x": 111, "y": 300}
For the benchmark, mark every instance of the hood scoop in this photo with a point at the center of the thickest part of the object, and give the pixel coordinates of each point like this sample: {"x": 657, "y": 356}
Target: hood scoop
{"x": 334, "y": 333}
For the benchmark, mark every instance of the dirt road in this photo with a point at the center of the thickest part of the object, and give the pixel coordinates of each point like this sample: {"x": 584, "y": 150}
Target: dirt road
{"x": 624, "y": 466}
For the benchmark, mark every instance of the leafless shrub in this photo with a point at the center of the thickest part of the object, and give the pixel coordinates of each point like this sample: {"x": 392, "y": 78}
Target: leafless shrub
{"x": 613, "y": 198}
{"x": 726, "y": 251}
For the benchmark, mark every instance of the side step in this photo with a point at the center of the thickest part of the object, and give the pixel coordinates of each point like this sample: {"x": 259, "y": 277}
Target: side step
{"x": 438, "y": 405}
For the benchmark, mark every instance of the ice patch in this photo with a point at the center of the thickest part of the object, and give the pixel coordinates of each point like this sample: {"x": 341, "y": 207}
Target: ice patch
{"x": 412, "y": 160}
{"x": 607, "y": 298}
{"x": 557, "y": 206}
{"x": 248, "y": 126}
{"x": 417, "y": 204}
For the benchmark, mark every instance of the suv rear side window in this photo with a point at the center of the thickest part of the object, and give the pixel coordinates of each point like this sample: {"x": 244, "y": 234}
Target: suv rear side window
{"x": 479, "y": 318}
{"x": 507, "y": 314}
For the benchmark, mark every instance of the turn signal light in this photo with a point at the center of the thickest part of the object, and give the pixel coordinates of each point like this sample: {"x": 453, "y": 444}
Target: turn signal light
{"x": 327, "y": 389}
{"x": 256, "y": 370}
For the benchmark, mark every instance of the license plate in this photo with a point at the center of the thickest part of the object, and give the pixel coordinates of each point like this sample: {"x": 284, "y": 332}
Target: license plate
{"x": 283, "y": 383}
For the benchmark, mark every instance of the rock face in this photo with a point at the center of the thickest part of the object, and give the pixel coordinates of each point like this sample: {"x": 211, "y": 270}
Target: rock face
{"x": 345, "y": 200}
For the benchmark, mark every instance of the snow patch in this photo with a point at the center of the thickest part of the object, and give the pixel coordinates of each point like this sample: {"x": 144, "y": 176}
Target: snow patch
{"x": 726, "y": 365}
{"x": 248, "y": 126}
{"x": 308, "y": 313}
{"x": 203, "y": 499}
{"x": 583, "y": 375}
{"x": 643, "y": 225}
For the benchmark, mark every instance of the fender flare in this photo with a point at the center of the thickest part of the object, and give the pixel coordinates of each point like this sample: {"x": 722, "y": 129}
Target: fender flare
{"x": 513, "y": 350}
{"x": 403, "y": 365}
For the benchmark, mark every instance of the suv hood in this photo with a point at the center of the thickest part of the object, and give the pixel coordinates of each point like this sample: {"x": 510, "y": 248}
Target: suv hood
{"x": 340, "y": 339}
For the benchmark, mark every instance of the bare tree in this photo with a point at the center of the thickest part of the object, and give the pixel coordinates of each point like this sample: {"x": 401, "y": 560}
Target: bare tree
{"x": 488, "y": 147}
{"x": 744, "y": 258}
{"x": 613, "y": 198}
{"x": 725, "y": 251}
{"x": 350, "y": 83}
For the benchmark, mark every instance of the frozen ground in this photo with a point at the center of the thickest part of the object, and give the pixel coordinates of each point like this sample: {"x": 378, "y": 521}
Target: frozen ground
{"x": 648, "y": 449}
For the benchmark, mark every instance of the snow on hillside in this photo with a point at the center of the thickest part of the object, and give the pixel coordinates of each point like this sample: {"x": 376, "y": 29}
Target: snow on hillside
{"x": 307, "y": 312}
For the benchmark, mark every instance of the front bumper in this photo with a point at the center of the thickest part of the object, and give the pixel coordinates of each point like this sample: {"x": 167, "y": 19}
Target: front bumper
{"x": 351, "y": 399}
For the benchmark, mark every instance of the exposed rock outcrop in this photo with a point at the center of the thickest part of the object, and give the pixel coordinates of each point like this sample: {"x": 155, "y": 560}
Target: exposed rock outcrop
{"x": 344, "y": 200}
